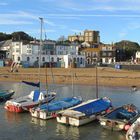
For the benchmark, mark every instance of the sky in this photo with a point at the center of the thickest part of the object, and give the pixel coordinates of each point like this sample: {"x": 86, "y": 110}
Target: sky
{"x": 115, "y": 19}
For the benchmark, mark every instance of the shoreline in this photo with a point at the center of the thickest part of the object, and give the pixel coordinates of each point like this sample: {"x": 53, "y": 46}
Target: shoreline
{"x": 81, "y": 76}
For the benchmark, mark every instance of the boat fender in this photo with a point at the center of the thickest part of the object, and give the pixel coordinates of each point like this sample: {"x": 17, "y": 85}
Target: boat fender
{"x": 53, "y": 114}
{"x": 108, "y": 110}
{"x": 126, "y": 127}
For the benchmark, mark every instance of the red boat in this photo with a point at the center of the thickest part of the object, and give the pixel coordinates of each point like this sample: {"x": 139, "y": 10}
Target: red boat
{"x": 24, "y": 103}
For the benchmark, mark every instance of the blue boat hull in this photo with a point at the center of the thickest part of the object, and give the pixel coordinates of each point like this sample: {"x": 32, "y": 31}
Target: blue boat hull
{"x": 5, "y": 95}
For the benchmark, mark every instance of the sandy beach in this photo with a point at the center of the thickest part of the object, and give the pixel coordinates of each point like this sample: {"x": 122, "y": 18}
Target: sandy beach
{"x": 87, "y": 76}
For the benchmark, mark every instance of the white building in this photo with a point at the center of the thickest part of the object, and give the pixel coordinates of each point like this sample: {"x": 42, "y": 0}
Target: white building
{"x": 28, "y": 54}
{"x": 107, "y": 55}
{"x": 137, "y": 57}
{"x": 66, "y": 49}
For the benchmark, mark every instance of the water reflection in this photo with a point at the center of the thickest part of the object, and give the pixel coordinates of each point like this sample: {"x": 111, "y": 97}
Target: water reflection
{"x": 12, "y": 117}
{"x": 110, "y": 135}
{"x": 68, "y": 131}
{"x": 38, "y": 121}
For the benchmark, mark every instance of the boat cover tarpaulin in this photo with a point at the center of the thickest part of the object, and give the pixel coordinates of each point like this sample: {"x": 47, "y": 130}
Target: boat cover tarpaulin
{"x": 61, "y": 104}
{"x": 120, "y": 113}
{"x": 94, "y": 107}
{"x": 31, "y": 83}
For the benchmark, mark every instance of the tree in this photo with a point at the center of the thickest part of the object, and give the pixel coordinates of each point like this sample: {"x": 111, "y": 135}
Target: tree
{"x": 17, "y": 36}
{"x": 61, "y": 38}
{"x": 128, "y": 47}
{"x": 4, "y": 36}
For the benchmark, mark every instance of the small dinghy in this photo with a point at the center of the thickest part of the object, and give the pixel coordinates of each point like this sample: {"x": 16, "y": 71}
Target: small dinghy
{"x": 134, "y": 88}
{"x": 6, "y": 94}
{"x": 50, "y": 110}
{"x": 120, "y": 118}
{"x": 133, "y": 132}
{"x": 24, "y": 103}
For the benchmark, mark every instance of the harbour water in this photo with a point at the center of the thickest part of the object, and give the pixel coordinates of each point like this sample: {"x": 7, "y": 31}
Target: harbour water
{"x": 23, "y": 127}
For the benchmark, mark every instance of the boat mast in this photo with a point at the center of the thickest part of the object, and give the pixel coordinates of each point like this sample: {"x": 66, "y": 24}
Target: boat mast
{"x": 39, "y": 52}
{"x": 72, "y": 83}
{"x": 46, "y": 79}
{"x": 96, "y": 80}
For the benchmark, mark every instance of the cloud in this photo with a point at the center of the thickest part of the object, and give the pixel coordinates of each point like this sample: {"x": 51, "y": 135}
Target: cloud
{"x": 35, "y": 17}
{"x": 123, "y": 34}
{"x": 37, "y": 31}
{"x": 21, "y": 17}
{"x": 13, "y": 22}
{"x": 133, "y": 26}
{"x": 96, "y": 5}
{"x": 94, "y": 15}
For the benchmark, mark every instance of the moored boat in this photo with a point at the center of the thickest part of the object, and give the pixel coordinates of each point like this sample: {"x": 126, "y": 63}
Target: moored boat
{"x": 85, "y": 112}
{"x": 120, "y": 118}
{"x": 50, "y": 110}
{"x": 24, "y": 103}
{"x": 6, "y": 94}
{"x": 133, "y": 132}
{"x": 134, "y": 88}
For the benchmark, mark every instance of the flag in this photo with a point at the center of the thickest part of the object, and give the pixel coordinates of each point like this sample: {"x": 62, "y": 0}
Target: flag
{"x": 32, "y": 84}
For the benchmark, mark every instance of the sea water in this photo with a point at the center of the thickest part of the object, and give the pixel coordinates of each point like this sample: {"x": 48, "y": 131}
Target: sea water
{"x": 14, "y": 126}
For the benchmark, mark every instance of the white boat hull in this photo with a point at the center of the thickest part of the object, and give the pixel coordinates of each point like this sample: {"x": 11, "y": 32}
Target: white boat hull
{"x": 45, "y": 114}
{"x": 74, "y": 121}
{"x": 41, "y": 114}
{"x": 134, "y": 128}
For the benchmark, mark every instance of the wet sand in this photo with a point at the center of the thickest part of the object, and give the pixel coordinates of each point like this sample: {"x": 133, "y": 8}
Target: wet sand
{"x": 86, "y": 76}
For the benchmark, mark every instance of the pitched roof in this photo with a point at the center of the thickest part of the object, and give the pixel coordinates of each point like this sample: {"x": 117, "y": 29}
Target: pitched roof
{"x": 5, "y": 43}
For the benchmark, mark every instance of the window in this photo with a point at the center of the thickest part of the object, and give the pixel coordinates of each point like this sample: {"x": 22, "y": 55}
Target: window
{"x": 110, "y": 54}
{"x": 81, "y": 60}
{"x": 57, "y": 59}
{"x": 18, "y": 58}
{"x": 29, "y": 51}
{"x": 78, "y": 60}
{"x": 103, "y": 54}
{"x": 94, "y": 55}
{"x": 52, "y": 59}
{"x": 74, "y": 59}
{"x": 86, "y": 38}
{"x": 28, "y": 58}
{"x": 106, "y": 60}
{"x": 89, "y": 54}
{"x": 90, "y": 33}
{"x": 17, "y": 50}
{"x": 51, "y": 52}
{"x": 29, "y": 46}
{"x": 90, "y": 39}
{"x": 43, "y": 58}
{"x": 37, "y": 58}
{"x": 86, "y": 34}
